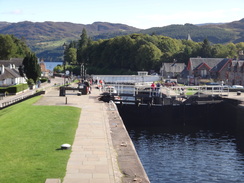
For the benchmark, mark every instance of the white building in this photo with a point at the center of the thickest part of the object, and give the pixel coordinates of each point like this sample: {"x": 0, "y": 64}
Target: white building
{"x": 9, "y": 73}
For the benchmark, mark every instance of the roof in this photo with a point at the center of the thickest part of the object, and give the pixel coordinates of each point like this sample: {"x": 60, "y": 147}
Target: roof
{"x": 214, "y": 64}
{"x": 173, "y": 67}
{"x": 9, "y": 73}
{"x": 184, "y": 73}
{"x": 16, "y": 61}
{"x": 238, "y": 63}
{"x": 43, "y": 67}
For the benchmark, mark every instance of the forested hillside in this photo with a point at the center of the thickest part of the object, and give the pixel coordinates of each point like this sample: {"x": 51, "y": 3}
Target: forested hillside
{"x": 12, "y": 47}
{"x": 130, "y": 53}
{"x": 236, "y": 26}
{"x": 46, "y": 38}
{"x": 197, "y": 33}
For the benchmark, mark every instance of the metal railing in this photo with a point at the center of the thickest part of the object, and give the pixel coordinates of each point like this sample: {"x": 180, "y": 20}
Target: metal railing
{"x": 174, "y": 91}
{"x": 201, "y": 90}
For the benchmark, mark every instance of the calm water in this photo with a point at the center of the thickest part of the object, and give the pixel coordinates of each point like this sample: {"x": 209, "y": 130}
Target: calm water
{"x": 189, "y": 155}
{"x": 51, "y": 65}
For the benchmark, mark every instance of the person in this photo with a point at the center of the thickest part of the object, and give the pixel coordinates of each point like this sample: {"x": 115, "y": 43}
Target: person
{"x": 87, "y": 83}
{"x": 158, "y": 88}
{"x": 153, "y": 87}
{"x": 100, "y": 85}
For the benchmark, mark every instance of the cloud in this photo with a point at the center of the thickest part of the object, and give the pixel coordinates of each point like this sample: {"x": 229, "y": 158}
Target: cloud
{"x": 13, "y": 12}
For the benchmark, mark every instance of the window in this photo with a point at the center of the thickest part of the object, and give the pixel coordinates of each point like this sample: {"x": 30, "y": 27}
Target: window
{"x": 229, "y": 67}
{"x": 204, "y": 73}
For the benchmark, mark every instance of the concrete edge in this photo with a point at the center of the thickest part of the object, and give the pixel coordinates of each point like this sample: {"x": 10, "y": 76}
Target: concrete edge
{"x": 128, "y": 160}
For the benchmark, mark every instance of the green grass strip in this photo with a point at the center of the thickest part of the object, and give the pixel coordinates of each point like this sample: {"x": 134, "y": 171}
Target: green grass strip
{"x": 29, "y": 138}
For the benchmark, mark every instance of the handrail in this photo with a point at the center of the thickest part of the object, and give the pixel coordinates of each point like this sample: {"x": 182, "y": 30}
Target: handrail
{"x": 178, "y": 91}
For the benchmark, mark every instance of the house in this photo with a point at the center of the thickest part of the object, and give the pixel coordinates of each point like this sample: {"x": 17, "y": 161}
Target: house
{"x": 10, "y": 76}
{"x": 207, "y": 68}
{"x": 44, "y": 71}
{"x": 13, "y": 61}
{"x": 9, "y": 73}
{"x": 171, "y": 70}
{"x": 236, "y": 71}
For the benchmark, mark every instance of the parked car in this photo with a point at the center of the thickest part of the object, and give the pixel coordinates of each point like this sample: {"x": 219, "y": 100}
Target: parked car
{"x": 237, "y": 86}
{"x": 170, "y": 83}
{"x": 212, "y": 84}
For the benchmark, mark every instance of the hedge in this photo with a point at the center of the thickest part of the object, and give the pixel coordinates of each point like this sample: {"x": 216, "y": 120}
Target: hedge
{"x": 13, "y": 89}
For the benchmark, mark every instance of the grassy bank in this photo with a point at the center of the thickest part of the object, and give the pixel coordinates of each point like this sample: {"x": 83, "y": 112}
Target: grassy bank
{"x": 30, "y": 136}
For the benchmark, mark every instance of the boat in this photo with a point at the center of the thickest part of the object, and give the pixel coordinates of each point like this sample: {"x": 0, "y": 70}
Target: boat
{"x": 109, "y": 93}
{"x": 110, "y": 90}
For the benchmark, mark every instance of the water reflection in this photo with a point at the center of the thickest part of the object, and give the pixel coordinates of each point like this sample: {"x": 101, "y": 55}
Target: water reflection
{"x": 184, "y": 154}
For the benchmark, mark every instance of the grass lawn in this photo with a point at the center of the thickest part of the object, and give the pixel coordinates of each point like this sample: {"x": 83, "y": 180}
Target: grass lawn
{"x": 30, "y": 136}
{"x": 191, "y": 91}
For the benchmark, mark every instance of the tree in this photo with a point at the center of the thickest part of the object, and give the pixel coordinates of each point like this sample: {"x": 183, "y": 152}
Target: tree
{"x": 7, "y": 47}
{"x": 31, "y": 68}
{"x": 206, "y": 50}
{"x": 232, "y": 50}
{"x": 71, "y": 56}
{"x": 11, "y": 47}
{"x": 82, "y": 44}
{"x": 148, "y": 57}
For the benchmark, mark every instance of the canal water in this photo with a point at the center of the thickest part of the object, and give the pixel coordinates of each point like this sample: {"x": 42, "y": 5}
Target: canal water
{"x": 185, "y": 154}
{"x": 50, "y": 65}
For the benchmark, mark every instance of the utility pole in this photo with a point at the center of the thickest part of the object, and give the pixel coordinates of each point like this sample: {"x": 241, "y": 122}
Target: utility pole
{"x": 64, "y": 62}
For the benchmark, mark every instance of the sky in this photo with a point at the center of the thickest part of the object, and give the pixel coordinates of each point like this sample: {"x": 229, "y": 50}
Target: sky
{"x": 137, "y": 13}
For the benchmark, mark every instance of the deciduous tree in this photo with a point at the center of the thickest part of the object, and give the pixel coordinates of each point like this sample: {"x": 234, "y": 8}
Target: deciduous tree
{"x": 7, "y": 47}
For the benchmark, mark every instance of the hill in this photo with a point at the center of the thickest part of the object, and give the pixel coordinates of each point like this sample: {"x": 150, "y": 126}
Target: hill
{"x": 46, "y": 38}
{"x": 236, "y": 26}
{"x": 216, "y": 33}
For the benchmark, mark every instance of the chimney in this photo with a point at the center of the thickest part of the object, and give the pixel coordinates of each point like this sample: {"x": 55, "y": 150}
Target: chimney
{"x": 1, "y": 69}
{"x": 241, "y": 55}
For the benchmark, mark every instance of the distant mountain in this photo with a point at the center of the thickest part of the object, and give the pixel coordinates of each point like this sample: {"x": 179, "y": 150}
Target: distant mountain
{"x": 236, "y": 26}
{"x": 3, "y": 24}
{"x": 47, "y": 38}
{"x": 57, "y": 30}
{"x": 215, "y": 32}
{"x": 203, "y": 24}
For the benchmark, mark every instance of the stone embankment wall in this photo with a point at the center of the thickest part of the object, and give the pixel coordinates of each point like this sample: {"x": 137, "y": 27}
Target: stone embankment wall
{"x": 127, "y": 157}
{"x": 240, "y": 117}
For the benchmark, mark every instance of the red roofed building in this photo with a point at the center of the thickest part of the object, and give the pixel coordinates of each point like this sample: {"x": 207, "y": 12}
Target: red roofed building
{"x": 207, "y": 68}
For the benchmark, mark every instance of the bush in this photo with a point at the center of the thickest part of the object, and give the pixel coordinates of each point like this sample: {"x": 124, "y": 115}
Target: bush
{"x": 13, "y": 89}
{"x": 30, "y": 82}
{"x": 43, "y": 79}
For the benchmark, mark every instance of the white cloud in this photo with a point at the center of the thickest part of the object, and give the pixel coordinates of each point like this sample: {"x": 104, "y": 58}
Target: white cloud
{"x": 13, "y": 12}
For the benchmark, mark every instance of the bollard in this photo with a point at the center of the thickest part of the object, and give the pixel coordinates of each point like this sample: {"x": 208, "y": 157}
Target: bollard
{"x": 239, "y": 93}
{"x": 66, "y": 100}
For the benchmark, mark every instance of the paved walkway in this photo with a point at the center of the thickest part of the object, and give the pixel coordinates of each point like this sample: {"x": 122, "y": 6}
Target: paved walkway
{"x": 23, "y": 94}
{"x": 93, "y": 158}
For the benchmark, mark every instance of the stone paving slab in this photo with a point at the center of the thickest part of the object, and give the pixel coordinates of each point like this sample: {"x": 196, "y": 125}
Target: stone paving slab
{"x": 96, "y": 156}
{"x": 93, "y": 158}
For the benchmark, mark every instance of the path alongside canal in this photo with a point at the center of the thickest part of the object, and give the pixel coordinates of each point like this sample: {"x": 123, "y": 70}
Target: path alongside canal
{"x": 101, "y": 152}
{"x": 97, "y": 155}
{"x": 93, "y": 158}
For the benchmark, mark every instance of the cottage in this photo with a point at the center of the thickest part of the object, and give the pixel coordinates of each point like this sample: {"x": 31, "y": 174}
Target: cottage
{"x": 207, "y": 68}
{"x": 9, "y": 73}
{"x": 236, "y": 72}
{"x": 10, "y": 76}
{"x": 171, "y": 70}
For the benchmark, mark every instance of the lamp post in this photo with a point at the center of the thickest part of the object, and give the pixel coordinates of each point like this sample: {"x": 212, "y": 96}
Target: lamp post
{"x": 82, "y": 71}
{"x": 64, "y": 62}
